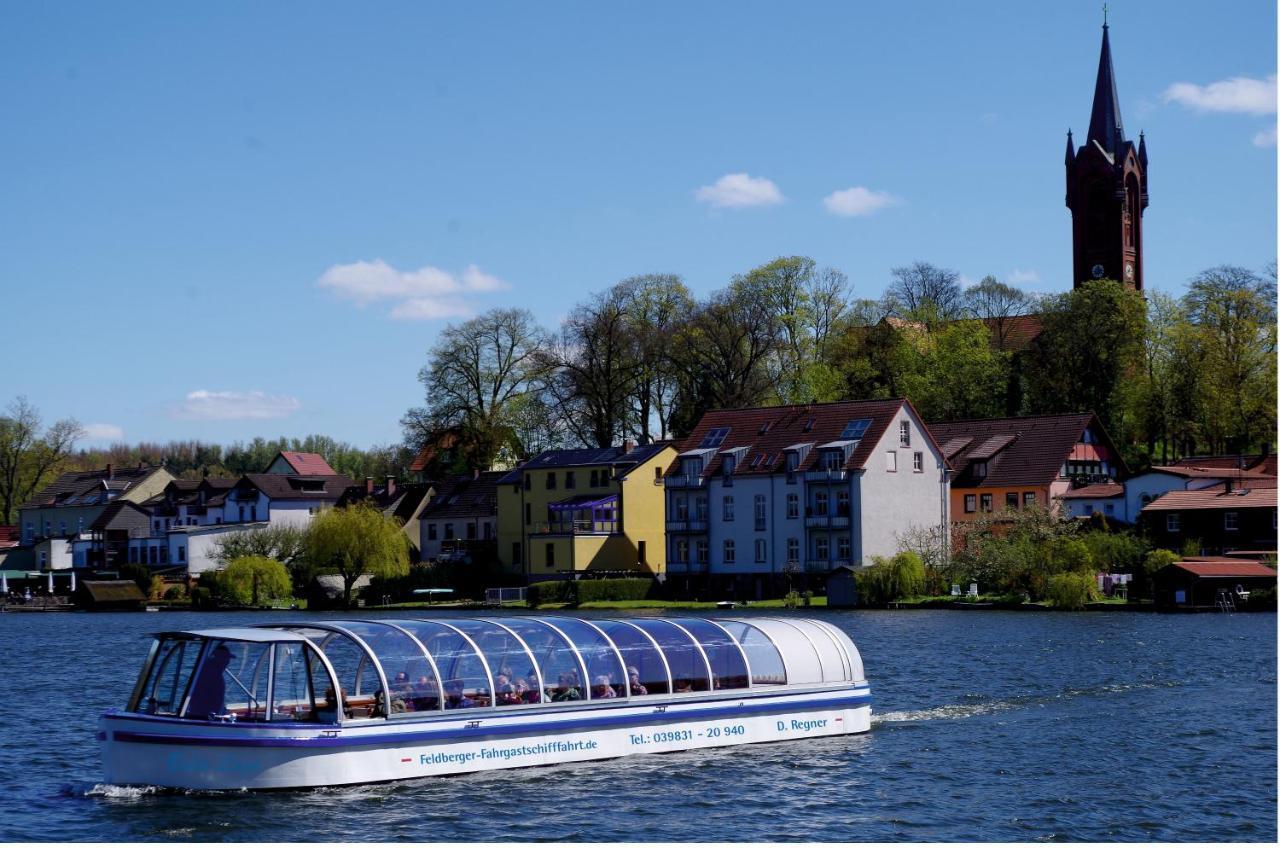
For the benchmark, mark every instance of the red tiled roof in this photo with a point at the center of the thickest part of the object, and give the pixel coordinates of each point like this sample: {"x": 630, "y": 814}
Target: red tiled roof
{"x": 1234, "y": 461}
{"x": 1215, "y": 497}
{"x": 1019, "y": 331}
{"x": 308, "y": 463}
{"x": 1032, "y": 455}
{"x": 1240, "y": 568}
{"x": 1097, "y": 490}
{"x": 767, "y": 431}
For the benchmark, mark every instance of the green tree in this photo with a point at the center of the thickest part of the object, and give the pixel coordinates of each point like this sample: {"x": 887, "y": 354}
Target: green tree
{"x": 251, "y": 580}
{"x": 282, "y": 543}
{"x": 655, "y": 305}
{"x": 953, "y": 371}
{"x": 30, "y": 454}
{"x": 1072, "y": 590}
{"x": 354, "y": 541}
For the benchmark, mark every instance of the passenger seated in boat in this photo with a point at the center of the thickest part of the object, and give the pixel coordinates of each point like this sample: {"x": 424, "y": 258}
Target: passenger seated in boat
{"x": 380, "y": 705}
{"x": 602, "y": 689}
{"x": 683, "y": 685}
{"x": 426, "y": 695}
{"x": 209, "y": 694}
{"x": 454, "y": 697}
{"x": 327, "y": 710}
{"x": 568, "y": 688}
{"x": 400, "y": 684}
{"x": 533, "y": 694}
{"x": 633, "y": 677}
{"x": 507, "y": 695}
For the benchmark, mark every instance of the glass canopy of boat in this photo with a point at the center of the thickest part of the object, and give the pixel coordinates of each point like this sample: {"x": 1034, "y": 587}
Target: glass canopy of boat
{"x": 460, "y": 663}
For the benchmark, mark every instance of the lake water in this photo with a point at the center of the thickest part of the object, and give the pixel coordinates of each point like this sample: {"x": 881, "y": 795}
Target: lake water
{"x": 989, "y": 726}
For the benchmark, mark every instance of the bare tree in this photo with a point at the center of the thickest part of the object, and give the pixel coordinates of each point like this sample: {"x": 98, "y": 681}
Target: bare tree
{"x": 29, "y": 455}
{"x": 656, "y": 304}
{"x": 998, "y": 305}
{"x": 924, "y": 292}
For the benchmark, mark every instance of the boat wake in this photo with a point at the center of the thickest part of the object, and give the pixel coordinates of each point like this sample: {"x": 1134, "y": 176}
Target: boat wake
{"x": 980, "y": 708}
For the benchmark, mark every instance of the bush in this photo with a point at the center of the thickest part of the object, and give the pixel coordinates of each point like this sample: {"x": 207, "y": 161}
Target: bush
{"x": 174, "y": 593}
{"x": 1190, "y": 548}
{"x": 139, "y": 574}
{"x": 156, "y": 589}
{"x": 618, "y": 589}
{"x": 252, "y": 580}
{"x": 550, "y": 592}
{"x": 1072, "y": 590}
{"x": 887, "y": 580}
{"x": 1156, "y": 560}
{"x": 202, "y": 598}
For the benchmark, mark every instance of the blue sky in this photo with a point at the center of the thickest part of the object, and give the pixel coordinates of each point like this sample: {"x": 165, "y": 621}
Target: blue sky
{"x": 226, "y": 220}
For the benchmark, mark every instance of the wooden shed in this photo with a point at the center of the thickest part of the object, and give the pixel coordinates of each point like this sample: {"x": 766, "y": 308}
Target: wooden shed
{"x": 1197, "y": 583}
{"x": 110, "y": 595}
{"x": 842, "y": 588}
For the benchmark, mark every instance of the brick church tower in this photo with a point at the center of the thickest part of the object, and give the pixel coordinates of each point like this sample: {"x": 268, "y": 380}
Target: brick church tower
{"x": 1107, "y": 189}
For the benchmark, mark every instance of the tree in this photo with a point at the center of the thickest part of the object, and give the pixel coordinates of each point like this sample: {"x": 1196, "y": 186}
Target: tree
{"x": 30, "y": 454}
{"x": 655, "y": 306}
{"x": 353, "y": 541}
{"x": 998, "y": 306}
{"x": 924, "y": 292}
{"x": 280, "y": 542}
{"x": 476, "y": 373}
{"x": 250, "y": 580}
{"x": 953, "y": 372}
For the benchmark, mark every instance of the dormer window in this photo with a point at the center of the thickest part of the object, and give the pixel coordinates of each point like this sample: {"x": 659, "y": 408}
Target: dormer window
{"x": 729, "y": 463}
{"x": 979, "y": 470}
{"x": 793, "y": 460}
{"x": 832, "y": 460}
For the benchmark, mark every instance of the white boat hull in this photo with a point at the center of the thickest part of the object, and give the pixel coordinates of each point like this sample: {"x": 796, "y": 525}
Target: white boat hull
{"x": 142, "y": 750}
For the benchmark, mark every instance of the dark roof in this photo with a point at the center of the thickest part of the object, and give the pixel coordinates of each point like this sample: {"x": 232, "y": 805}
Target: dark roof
{"x": 618, "y": 457}
{"x": 401, "y": 502}
{"x": 1105, "y": 126}
{"x": 1239, "y": 568}
{"x": 1098, "y": 490}
{"x": 1214, "y": 497}
{"x": 1251, "y": 463}
{"x": 307, "y": 463}
{"x": 187, "y": 493}
{"x": 113, "y": 591}
{"x": 120, "y": 515}
{"x": 283, "y": 487}
{"x": 1018, "y": 451}
{"x": 466, "y": 497}
{"x": 766, "y": 432}
{"x": 83, "y": 488}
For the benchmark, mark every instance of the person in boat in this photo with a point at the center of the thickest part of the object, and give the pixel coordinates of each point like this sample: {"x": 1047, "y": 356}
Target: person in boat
{"x": 400, "y": 685}
{"x": 568, "y": 689}
{"x": 455, "y": 698}
{"x": 683, "y": 685}
{"x": 507, "y": 695}
{"x": 602, "y": 689}
{"x": 380, "y": 704}
{"x": 327, "y": 710}
{"x": 426, "y": 695}
{"x": 533, "y": 691}
{"x": 209, "y": 694}
{"x": 633, "y": 677}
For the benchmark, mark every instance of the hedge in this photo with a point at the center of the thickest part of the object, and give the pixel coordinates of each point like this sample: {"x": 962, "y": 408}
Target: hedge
{"x": 575, "y": 592}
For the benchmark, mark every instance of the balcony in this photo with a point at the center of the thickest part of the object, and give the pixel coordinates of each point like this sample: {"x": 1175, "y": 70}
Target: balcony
{"x": 827, "y": 522}
{"x": 826, "y": 475}
{"x": 694, "y": 525}
{"x": 822, "y": 566}
{"x": 575, "y": 528}
{"x": 686, "y": 568}
{"x": 685, "y": 481}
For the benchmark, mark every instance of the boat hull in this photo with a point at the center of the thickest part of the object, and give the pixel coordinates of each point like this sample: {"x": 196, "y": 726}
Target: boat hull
{"x": 143, "y": 750}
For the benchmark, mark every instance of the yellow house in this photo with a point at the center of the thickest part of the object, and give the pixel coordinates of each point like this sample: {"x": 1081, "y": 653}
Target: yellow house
{"x": 595, "y": 509}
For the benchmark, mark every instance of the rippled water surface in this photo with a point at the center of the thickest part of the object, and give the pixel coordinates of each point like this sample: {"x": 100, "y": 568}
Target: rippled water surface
{"x": 989, "y": 726}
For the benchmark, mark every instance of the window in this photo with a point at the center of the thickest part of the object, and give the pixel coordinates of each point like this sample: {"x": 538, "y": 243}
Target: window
{"x": 551, "y": 555}
{"x": 700, "y": 508}
{"x": 986, "y": 503}
{"x": 528, "y": 513}
{"x": 762, "y": 550}
{"x": 682, "y": 509}
{"x": 793, "y": 505}
{"x": 241, "y": 518}
{"x": 703, "y": 551}
{"x": 728, "y": 464}
{"x": 822, "y": 547}
{"x": 891, "y": 461}
{"x": 528, "y": 482}
{"x": 793, "y": 550}
{"x": 979, "y": 470}
{"x": 182, "y": 554}
{"x": 761, "y": 512}
{"x": 517, "y": 554}
{"x": 432, "y": 529}
{"x": 595, "y": 478}
{"x": 1028, "y": 499}
{"x": 471, "y": 529}
{"x": 1231, "y": 521}
{"x": 843, "y": 547}
{"x": 917, "y": 462}
{"x": 1173, "y": 522}
{"x": 682, "y": 550}
{"x": 728, "y": 507}
{"x": 820, "y": 502}
{"x": 1011, "y": 501}
{"x": 904, "y": 434}
{"x": 551, "y": 479}
{"x": 729, "y": 552}
{"x": 448, "y": 530}
{"x": 970, "y": 503}
{"x": 570, "y": 480}
{"x": 842, "y": 503}
{"x": 1109, "y": 509}
{"x": 62, "y": 528}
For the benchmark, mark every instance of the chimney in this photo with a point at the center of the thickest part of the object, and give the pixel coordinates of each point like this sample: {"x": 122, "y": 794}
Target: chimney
{"x": 368, "y": 485}
{"x": 628, "y": 445}
{"x": 110, "y": 471}
{"x": 391, "y": 485}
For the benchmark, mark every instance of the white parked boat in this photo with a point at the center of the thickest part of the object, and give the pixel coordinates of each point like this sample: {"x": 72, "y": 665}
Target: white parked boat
{"x": 305, "y": 704}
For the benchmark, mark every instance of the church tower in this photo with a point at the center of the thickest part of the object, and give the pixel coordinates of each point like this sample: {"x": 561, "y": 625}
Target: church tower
{"x": 1106, "y": 189}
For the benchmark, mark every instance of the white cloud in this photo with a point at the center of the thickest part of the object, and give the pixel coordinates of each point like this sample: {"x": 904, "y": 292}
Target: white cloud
{"x": 1238, "y": 94}
{"x": 851, "y": 202}
{"x": 1020, "y": 277}
{"x": 736, "y": 191}
{"x": 224, "y": 406}
{"x": 1265, "y": 138}
{"x": 425, "y": 294}
{"x": 103, "y": 432}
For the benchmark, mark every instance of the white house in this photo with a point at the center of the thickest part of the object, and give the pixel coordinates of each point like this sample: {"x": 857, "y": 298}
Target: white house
{"x": 759, "y": 497}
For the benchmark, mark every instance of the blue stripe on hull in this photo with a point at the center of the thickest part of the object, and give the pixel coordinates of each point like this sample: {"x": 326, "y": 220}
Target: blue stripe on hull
{"x": 411, "y": 737}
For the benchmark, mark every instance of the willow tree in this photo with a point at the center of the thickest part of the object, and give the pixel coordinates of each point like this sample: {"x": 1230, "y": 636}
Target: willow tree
{"x": 356, "y": 540}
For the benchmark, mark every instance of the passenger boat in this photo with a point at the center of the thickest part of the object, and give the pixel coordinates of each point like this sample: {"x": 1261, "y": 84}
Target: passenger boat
{"x": 340, "y": 702}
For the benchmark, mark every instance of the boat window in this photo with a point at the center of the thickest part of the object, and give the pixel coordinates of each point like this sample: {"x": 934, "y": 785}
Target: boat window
{"x": 508, "y": 660}
{"x": 688, "y": 669}
{"x": 292, "y": 693}
{"x": 728, "y": 666}
{"x": 604, "y": 669}
{"x": 408, "y": 673}
{"x": 834, "y": 666}
{"x": 356, "y": 675}
{"x": 802, "y": 663}
{"x": 766, "y": 663}
{"x": 640, "y": 656}
{"x": 465, "y": 678}
{"x": 562, "y": 675}
{"x": 170, "y": 676}
{"x": 232, "y": 679}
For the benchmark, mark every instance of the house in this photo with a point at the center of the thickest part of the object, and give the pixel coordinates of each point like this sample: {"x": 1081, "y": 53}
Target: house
{"x": 566, "y": 512}
{"x": 1106, "y": 499}
{"x": 465, "y": 508}
{"x": 68, "y": 505}
{"x": 755, "y": 496}
{"x": 190, "y": 503}
{"x": 10, "y": 536}
{"x": 1006, "y": 464}
{"x": 1200, "y": 583}
{"x": 283, "y": 498}
{"x": 1197, "y": 472}
{"x": 1215, "y": 519}
{"x": 297, "y": 462}
{"x": 403, "y": 502}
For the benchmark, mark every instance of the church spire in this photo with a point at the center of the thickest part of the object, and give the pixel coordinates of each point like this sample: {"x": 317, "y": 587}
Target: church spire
{"x": 1071, "y": 148}
{"x": 1105, "y": 126}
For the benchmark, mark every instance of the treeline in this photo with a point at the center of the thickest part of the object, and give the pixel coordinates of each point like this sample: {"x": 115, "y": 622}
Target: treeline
{"x": 645, "y": 359}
